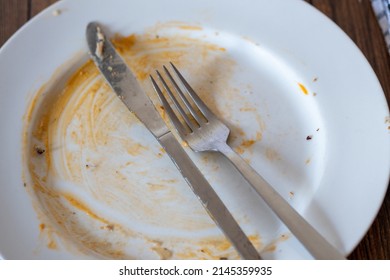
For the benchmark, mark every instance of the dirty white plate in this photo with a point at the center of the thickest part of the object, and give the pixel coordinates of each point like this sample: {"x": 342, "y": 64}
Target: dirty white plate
{"x": 321, "y": 112}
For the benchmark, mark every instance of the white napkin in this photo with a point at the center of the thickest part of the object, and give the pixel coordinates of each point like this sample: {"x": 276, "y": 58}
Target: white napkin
{"x": 382, "y": 12}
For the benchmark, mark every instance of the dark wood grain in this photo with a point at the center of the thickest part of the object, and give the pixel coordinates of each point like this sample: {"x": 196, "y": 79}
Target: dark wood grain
{"x": 355, "y": 17}
{"x": 13, "y": 14}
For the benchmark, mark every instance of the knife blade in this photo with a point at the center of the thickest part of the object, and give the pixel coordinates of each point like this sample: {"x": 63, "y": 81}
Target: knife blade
{"x": 125, "y": 85}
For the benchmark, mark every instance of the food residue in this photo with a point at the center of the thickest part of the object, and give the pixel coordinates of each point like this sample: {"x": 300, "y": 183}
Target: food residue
{"x": 273, "y": 245}
{"x": 97, "y": 158}
{"x": 40, "y": 150}
{"x": 271, "y": 154}
{"x": 309, "y": 137}
{"x": 163, "y": 252}
{"x": 56, "y": 12}
{"x": 42, "y": 227}
{"x": 247, "y": 143}
{"x": 303, "y": 89}
{"x": 190, "y": 27}
{"x": 99, "y": 43}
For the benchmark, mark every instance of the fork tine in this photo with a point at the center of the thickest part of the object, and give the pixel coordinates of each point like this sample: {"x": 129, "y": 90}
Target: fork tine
{"x": 176, "y": 103}
{"x": 184, "y": 99}
{"x": 171, "y": 114}
{"x": 201, "y": 105}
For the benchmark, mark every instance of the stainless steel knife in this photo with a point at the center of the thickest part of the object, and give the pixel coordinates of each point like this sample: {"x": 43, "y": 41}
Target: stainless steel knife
{"x": 127, "y": 88}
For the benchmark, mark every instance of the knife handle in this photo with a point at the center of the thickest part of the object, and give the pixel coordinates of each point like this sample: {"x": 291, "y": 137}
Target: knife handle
{"x": 208, "y": 197}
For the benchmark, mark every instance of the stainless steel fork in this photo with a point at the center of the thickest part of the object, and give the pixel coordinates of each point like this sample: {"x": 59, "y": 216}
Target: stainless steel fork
{"x": 205, "y": 132}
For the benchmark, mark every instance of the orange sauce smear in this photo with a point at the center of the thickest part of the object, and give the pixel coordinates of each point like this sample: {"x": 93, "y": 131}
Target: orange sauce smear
{"x": 303, "y": 89}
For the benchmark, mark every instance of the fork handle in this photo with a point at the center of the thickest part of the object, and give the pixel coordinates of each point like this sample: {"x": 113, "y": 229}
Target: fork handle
{"x": 208, "y": 197}
{"x": 314, "y": 242}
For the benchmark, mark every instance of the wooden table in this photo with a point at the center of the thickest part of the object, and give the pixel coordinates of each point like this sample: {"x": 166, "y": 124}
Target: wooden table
{"x": 355, "y": 17}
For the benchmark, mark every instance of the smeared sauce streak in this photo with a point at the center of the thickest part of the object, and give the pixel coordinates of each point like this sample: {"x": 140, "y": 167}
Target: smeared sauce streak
{"x": 75, "y": 202}
{"x": 247, "y": 144}
{"x": 216, "y": 249}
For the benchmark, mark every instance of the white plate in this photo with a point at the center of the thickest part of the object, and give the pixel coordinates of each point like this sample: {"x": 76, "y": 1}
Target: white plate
{"x": 338, "y": 178}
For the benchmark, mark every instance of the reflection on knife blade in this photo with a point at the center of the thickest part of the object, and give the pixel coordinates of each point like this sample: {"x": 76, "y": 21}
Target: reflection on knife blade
{"x": 127, "y": 88}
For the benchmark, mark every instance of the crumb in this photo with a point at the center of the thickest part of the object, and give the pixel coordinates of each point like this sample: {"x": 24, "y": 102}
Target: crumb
{"x": 314, "y": 94}
{"x": 39, "y": 150}
{"x": 109, "y": 68}
{"x": 315, "y": 79}
{"x": 110, "y": 227}
{"x": 157, "y": 36}
{"x": 56, "y": 12}
{"x": 291, "y": 194}
{"x": 24, "y": 185}
{"x": 317, "y": 129}
{"x": 309, "y": 137}
{"x": 99, "y": 43}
